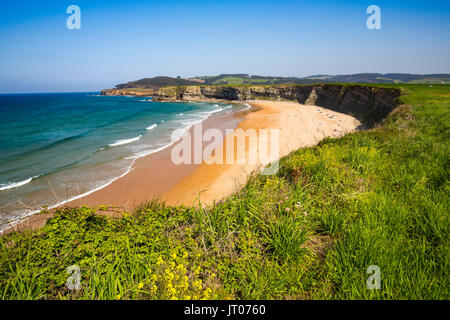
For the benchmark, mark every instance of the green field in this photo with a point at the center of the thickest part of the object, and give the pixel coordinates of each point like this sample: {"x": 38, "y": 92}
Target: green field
{"x": 394, "y": 78}
{"x": 379, "y": 197}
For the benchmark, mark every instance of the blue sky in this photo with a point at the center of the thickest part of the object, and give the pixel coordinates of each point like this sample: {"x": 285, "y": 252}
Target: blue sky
{"x": 120, "y": 41}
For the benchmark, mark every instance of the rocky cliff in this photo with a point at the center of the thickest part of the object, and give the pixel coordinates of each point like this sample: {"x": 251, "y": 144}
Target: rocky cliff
{"x": 368, "y": 104}
{"x": 129, "y": 92}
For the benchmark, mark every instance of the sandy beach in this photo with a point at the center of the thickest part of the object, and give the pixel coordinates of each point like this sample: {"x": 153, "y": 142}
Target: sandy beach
{"x": 299, "y": 126}
{"x": 153, "y": 175}
{"x": 157, "y": 177}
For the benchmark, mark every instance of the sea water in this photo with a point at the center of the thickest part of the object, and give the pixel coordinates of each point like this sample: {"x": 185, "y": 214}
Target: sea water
{"x": 58, "y": 147}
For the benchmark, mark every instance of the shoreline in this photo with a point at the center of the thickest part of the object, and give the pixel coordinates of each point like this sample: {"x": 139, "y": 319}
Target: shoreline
{"x": 154, "y": 176}
{"x": 308, "y": 123}
{"x": 100, "y": 197}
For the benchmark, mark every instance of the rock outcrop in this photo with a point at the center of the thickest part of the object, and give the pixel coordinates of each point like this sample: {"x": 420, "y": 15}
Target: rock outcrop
{"x": 129, "y": 92}
{"x": 368, "y": 104}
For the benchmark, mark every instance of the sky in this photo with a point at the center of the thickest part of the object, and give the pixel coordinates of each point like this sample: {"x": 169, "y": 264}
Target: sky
{"x": 121, "y": 41}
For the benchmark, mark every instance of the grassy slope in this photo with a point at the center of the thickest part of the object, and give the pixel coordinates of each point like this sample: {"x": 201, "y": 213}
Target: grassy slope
{"x": 156, "y": 82}
{"x": 370, "y": 198}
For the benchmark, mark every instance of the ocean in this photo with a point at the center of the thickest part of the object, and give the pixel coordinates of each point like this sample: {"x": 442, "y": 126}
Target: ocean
{"x": 60, "y": 146}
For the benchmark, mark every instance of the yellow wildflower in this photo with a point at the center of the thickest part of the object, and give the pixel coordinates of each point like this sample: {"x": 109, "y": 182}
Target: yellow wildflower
{"x": 197, "y": 271}
{"x": 153, "y": 289}
{"x": 160, "y": 260}
{"x": 197, "y": 284}
{"x": 207, "y": 293}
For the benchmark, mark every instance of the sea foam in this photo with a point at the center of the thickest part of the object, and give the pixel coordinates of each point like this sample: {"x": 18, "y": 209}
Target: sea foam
{"x": 125, "y": 141}
{"x": 15, "y": 184}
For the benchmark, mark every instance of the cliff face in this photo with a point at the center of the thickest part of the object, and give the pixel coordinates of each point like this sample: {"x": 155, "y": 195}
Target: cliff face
{"x": 129, "y": 92}
{"x": 368, "y": 104}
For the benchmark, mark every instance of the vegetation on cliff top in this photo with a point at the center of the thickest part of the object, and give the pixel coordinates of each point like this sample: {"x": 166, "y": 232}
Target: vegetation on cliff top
{"x": 155, "y": 83}
{"x": 245, "y": 79}
{"x": 378, "y": 197}
{"x": 239, "y": 79}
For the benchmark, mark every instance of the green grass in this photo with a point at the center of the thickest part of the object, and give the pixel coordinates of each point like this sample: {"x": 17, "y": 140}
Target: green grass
{"x": 379, "y": 197}
{"x": 237, "y": 81}
{"x": 430, "y": 80}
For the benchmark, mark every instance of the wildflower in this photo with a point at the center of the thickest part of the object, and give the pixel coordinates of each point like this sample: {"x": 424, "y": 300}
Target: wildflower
{"x": 118, "y": 297}
{"x": 207, "y": 293}
{"x": 172, "y": 291}
{"x": 168, "y": 275}
{"x": 160, "y": 260}
{"x": 197, "y": 271}
{"x": 185, "y": 282}
{"x": 153, "y": 289}
{"x": 140, "y": 285}
{"x": 197, "y": 284}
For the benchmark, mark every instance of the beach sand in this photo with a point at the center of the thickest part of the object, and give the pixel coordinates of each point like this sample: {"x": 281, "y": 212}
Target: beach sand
{"x": 152, "y": 175}
{"x": 156, "y": 177}
{"x": 299, "y": 126}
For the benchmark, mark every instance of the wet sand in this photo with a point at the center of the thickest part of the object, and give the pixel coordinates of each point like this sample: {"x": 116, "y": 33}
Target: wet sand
{"x": 152, "y": 175}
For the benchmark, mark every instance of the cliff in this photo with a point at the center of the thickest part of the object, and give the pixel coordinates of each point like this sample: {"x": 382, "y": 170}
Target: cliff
{"x": 368, "y": 104}
{"x": 129, "y": 92}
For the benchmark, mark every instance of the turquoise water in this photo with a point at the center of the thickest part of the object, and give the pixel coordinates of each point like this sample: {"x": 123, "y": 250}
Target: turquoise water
{"x": 56, "y": 147}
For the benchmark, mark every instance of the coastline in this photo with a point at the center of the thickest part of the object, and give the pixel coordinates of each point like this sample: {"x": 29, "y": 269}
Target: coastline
{"x": 155, "y": 177}
{"x": 308, "y": 124}
{"x": 154, "y": 173}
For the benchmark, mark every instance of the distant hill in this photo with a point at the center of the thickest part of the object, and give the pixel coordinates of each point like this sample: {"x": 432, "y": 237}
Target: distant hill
{"x": 246, "y": 79}
{"x": 156, "y": 83}
{"x": 239, "y": 79}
